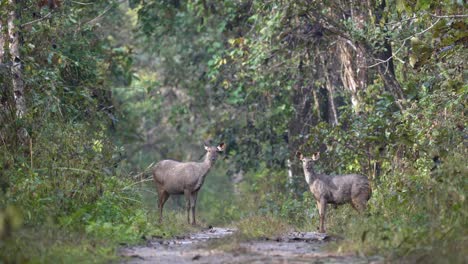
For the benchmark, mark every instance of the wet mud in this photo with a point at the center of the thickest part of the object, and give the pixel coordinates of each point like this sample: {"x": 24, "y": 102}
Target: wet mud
{"x": 295, "y": 247}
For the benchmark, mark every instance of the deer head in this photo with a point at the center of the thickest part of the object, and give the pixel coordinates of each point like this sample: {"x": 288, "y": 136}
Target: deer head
{"x": 307, "y": 162}
{"x": 212, "y": 152}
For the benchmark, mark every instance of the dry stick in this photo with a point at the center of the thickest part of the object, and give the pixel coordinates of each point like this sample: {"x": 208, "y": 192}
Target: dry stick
{"x": 144, "y": 171}
{"x": 100, "y": 15}
{"x": 450, "y": 16}
{"x": 37, "y": 20}
{"x": 130, "y": 199}
{"x": 144, "y": 190}
{"x": 31, "y": 152}
{"x": 103, "y": 13}
{"x": 135, "y": 183}
{"x": 81, "y": 3}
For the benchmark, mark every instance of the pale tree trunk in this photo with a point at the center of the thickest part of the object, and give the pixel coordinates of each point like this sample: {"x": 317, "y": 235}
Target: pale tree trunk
{"x": 333, "y": 113}
{"x": 353, "y": 60}
{"x": 16, "y": 66}
{"x": 330, "y": 86}
{"x": 354, "y": 71}
{"x": 4, "y": 68}
{"x": 2, "y": 85}
{"x": 2, "y": 42}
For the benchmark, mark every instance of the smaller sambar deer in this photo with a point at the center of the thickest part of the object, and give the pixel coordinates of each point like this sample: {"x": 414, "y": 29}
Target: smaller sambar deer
{"x": 176, "y": 178}
{"x": 339, "y": 189}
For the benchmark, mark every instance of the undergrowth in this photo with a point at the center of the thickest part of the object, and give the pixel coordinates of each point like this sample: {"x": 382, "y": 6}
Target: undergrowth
{"x": 65, "y": 199}
{"x": 412, "y": 216}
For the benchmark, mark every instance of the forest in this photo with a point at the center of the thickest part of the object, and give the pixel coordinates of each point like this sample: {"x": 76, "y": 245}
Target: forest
{"x": 94, "y": 93}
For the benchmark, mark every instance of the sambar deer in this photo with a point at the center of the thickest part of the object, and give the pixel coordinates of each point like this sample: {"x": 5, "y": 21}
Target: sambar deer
{"x": 339, "y": 189}
{"x": 177, "y": 178}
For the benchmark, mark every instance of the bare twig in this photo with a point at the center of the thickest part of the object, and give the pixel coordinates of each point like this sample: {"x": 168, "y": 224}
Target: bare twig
{"x": 432, "y": 15}
{"x": 402, "y": 21}
{"x": 104, "y": 12}
{"x": 75, "y": 169}
{"x": 37, "y": 20}
{"x": 130, "y": 199}
{"x": 138, "y": 182}
{"x": 449, "y": 16}
{"x": 100, "y": 15}
{"x": 31, "y": 152}
{"x": 81, "y": 3}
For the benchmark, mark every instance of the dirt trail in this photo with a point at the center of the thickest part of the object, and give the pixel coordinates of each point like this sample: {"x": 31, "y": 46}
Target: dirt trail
{"x": 296, "y": 247}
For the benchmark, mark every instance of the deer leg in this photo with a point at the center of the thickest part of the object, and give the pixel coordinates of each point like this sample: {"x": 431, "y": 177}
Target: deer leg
{"x": 193, "y": 203}
{"x": 354, "y": 205}
{"x": 187, "y": 204}
{"x": 322, "y": 212}
{"x": 318, "y": 208}
{"x": 359, "y": 204}
{"x": 163, "y": 196}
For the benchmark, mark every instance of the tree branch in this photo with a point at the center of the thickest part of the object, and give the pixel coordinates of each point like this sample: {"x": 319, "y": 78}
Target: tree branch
{"x": 37, "y": 20}
{"x": 448, "y": 16}
{"x": 403, "y": 44}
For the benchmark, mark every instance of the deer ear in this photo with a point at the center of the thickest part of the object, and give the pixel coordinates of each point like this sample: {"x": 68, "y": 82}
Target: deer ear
{"x": 316, "y": 156}
{"x": 207, "y": 148}
{"x": 299, "y": 155}
{"x": 221, "y": 146}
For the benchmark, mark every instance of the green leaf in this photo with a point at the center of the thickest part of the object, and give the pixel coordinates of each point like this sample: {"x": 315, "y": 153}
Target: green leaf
{"x": 423, "y": 4}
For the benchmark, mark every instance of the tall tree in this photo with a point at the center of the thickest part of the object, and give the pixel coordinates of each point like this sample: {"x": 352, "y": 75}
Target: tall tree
{"x": 2, "y": 40}
{"x": 350, "y": 52}
{"x": 2, "y": 68}
{"x": 332, "y": 82}
{"x": 383, "y": 52}
{"x": 15, "y": 57}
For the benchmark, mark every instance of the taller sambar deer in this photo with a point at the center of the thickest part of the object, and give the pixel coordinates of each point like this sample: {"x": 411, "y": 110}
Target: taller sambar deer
{"x": 176, "y": 178}
{"x": 339, "y": 189}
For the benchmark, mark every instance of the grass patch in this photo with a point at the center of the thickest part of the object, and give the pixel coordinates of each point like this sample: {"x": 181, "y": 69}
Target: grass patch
{"x": 53, "y": 244}
{"x": 48, "y": 244}
{"x": 251, "y": 228}
{"x": 262, "y": 226}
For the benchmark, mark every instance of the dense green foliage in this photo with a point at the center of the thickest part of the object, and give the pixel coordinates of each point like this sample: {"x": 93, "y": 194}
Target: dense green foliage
{"x": 63, "y": 183}
{"x": 113, "y": 86}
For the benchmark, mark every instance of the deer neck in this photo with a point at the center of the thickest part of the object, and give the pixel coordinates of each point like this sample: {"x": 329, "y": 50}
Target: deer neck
{"x": 206, "y": 164}
{"x": 310, "y": 176}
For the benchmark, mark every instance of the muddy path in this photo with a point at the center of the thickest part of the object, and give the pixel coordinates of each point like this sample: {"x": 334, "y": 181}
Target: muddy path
{"x": 295, "y": 247}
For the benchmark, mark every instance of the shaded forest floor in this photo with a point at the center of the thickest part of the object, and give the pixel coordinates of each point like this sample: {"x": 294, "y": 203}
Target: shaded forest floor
{"x": 222, "y": 245}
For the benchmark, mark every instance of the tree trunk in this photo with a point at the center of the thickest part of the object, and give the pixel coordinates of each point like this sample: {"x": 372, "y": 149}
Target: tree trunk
{"x": 330, "y": 86}
{"x": 392, "y": 85}
{"x": 5, "y": 102}
{"x": 333, "y": 112}
{"x": 353, "y": 59}
{"x": 386, "y": 70}
{"x": 16, "y": 66}
{"x": 300, "y": 124}
{"x": 2, "y": 77}
{"x": 387, "y": 73}
{"x": 2, "y": 42}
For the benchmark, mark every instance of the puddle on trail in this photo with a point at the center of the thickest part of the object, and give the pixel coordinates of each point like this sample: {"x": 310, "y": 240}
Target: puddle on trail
{"x": 296, "y": 247}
